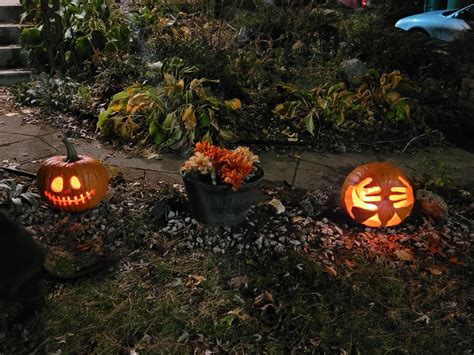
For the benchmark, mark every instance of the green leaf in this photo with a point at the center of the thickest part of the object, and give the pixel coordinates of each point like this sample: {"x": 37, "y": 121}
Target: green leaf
{"x": 156, "y": 132}
{"x": 120, "y": 96}
{"x": 213, "y": 101}
{"x": 83, "y": 46}
{"x": 336, "y": 87}
{"x": 31, "y": 36}
{"x": 103, "y": 116}
{"x": 227, "y": 136}
{"x": 204, "y": 119}
{"x": 309, "y": 122}
{"x": 169, "y": 121}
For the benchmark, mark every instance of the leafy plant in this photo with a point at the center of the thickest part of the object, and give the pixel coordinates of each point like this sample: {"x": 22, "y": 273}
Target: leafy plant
{"x": 17, "y": 195}
{"x": 327, "y": 104}
{"x": 173, "y": 114}
{"x": 376, "y": 102}
{"x": 378, "y": 97}
{"x": 88, "y": 26}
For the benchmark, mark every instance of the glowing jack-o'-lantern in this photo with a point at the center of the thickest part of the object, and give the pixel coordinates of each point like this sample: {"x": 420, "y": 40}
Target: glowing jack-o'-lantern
{"x": 377, "y": 195}
{"x": 72, "y": 183}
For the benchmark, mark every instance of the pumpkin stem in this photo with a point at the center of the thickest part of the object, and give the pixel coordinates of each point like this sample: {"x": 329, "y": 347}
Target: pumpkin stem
{"x": 71, "y": 152}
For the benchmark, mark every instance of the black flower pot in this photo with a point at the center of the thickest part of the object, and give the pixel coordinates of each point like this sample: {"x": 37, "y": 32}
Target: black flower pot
{"x": 219, "y": 205}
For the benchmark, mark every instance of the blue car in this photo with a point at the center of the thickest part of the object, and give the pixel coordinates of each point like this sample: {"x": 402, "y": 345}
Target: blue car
{"x": 444, "y": 25}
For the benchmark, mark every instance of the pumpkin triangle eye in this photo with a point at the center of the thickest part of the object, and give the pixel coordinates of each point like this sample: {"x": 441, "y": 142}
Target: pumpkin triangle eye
{"x": 75, "y": 183}
{"x": 57, "y": 184}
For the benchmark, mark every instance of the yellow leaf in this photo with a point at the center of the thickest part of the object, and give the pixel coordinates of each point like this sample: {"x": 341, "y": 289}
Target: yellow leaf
{"x": 189, "y": 118}
{"x": 233, "y": 104}
{"x": 280, "y": 109}
{"x": 116, "y": 106}
{"x": 395, "y": 78}
{"x": 169, "y": 79}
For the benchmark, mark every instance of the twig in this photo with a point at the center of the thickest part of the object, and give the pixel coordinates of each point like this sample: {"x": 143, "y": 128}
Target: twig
{"x": 410, "y": 141}
{"x": 18, "y": 172}
{"x": 298, "y": 159}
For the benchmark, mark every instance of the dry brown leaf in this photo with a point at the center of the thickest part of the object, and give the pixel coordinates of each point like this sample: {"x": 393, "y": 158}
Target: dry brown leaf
{"x": 404, "y": 255}
{"x": 435, "y": 270}
{"x": 298, "y": 219}
{"x": 238, "y": 281}
{"x": 239, "y": 312}
{"x": 264, "y": 298}
{"x": 331, "y": 270}
{"x": 194, "y": 280}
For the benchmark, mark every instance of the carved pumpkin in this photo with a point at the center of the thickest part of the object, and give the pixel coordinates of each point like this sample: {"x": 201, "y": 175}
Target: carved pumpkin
{"x": 72, "y": 183}
{"x": 377, "y": 195}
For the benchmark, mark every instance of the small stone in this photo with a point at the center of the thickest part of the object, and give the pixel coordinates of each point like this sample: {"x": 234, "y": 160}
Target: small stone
{"x": 199, "y": 240}
{"x": 431, "y": 205}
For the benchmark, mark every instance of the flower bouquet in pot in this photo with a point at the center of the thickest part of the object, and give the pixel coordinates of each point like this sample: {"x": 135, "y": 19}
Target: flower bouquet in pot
{"x": 221, "y": 183}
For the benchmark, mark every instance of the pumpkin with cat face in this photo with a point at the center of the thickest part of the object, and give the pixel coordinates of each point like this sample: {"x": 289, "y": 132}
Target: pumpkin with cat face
{"x": 72, "y": 183}
{"x": 377, "y": 195}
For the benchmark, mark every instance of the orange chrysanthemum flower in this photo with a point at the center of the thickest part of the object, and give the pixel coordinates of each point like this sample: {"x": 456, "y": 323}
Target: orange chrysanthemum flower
{"x": 230, "y": 166}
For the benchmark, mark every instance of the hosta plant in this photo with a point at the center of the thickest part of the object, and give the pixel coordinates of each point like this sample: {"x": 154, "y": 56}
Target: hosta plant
{"x": 173, "y": 114}
{"x": 17, "y": 196}
{"x": 375, "y": 103}
{"x": 222, "y": 166}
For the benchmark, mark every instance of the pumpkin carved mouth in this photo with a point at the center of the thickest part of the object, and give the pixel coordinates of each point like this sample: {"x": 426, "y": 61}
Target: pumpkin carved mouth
{"x": 70, "y": 200}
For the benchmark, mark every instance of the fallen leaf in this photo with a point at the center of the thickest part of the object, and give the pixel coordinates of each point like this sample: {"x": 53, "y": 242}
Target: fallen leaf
{"x": 194, "y": 280}
{"x": 239, "y": 312}
{"x": 238, "y": 281}
{"x": 298, "y": 219}
{"x": 435, "y": 270}
{"x": 278, "y": 205}
{"x": 404, "y": 255}
{"x": 424, "y": 318}
{"x": 264, "y": 298}
{"x": 454, "y": 260}
{"x": 331, "y": 270}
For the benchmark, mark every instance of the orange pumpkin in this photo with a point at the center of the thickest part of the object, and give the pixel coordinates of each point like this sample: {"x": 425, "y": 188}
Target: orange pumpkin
{"x": 377, "y": 195}
{"x": 72, "y": 183}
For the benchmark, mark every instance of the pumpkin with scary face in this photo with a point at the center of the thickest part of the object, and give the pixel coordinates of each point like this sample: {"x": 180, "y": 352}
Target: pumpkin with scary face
{"x": 72, "y": 183}
{"x": 377, "y": 195}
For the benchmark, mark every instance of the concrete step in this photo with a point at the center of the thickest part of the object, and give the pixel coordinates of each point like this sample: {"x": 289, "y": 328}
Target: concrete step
{"x": 10, "y": 12}
{"x": 10, "y": 33}
{"x": 14, "y": 76}
{"x": 11, "y": 57}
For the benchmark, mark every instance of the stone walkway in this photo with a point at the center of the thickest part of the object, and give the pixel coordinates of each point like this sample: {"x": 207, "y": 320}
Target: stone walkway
{"x": 24, "y": 146}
